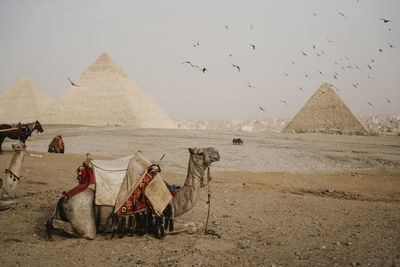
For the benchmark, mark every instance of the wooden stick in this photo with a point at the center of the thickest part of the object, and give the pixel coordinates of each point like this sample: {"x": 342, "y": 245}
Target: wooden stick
{"x": 9, "y": 130}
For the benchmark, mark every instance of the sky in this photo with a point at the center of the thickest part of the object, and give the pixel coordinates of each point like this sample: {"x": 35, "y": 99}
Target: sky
{"x": 49, "y": 40}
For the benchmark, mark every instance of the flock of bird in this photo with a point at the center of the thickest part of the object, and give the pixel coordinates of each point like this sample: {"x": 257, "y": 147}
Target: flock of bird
{"x": 342, "y": 63}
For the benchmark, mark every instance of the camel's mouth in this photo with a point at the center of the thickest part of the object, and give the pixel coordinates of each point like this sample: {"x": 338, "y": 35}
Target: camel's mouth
{"x": 214, "y": 157}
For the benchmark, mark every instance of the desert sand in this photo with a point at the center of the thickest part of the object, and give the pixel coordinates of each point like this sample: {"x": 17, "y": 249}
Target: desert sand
{"x": 277, "y": 200}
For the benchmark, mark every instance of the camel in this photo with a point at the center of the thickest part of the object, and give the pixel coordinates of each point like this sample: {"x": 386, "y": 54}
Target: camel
{"x": 56, "y": 145}
{"x": 80, "y": 217}
{"x": 10, "y": 178}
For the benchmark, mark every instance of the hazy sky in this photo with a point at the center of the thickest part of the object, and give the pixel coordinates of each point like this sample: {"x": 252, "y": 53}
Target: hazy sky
{"x": 50, "y": 40}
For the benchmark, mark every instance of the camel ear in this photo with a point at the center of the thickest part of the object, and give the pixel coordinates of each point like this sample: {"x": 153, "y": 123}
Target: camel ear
{"x": 190, "y": 150}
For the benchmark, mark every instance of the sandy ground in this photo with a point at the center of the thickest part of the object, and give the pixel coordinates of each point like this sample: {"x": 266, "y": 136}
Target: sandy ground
{"x": 290, "y": 200}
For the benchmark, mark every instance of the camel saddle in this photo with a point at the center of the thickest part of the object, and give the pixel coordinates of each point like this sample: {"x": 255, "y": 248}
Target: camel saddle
{"x": 117, "y": 180}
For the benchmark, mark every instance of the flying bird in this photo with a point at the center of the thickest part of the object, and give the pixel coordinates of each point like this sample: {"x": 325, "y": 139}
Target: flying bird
{"x": 226, "y": 27}
{"x": 251, "y": 27}
{"x": 306, "y": 75}
{"x": 391, "y": 46}
{"x": 236, "y": 66}
{"x": 253, "y": 46}
{"x": 197, "y": 44}
{"x": 369, "y": 67}
{"x": 230, "y": 55}
{"x": 314, "y": 13}
{"x": 190, "y": 63}
{"x": 72, "y": 83}
{"x": 386, "y": 20}
{"x": 388, "y": 100}
{"x": 261, "y": 108}
{"x": 372, "y": 60}
{"x": 329, "y": 40}
{"x": 301, "y": 89}
{"x": 313, "y": 47}
{"x": 337, "y": 89}
{"x": 381, "y": 50}
{"x": 369, "y": 103}
{"x": 204, "y": 70}
{"x": 250, "y": 86}
{"x": 304, "y": 54}
{"x": 320, "y": 72}
{"x": 341, "y": 14}
{"x": 284, "y": 101}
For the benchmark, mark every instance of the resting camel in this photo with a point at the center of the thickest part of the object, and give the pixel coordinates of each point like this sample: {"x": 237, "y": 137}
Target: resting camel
{"x": 56, "y": 145}
{"x": 10, "y": 178}
{"x": 80, "y": 217}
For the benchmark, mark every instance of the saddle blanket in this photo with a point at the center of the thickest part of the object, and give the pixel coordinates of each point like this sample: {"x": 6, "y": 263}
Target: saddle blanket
{"x": 109, "y": 175}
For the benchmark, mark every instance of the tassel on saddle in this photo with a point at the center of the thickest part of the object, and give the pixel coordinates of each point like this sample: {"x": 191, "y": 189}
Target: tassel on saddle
{"x": 141, "y": 224}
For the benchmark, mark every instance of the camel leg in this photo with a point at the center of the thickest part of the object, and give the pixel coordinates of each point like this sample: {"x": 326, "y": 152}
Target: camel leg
{"x": 61, "y": 225}
{"x": 186, "y": 227}
{"x": 6, "y": 204}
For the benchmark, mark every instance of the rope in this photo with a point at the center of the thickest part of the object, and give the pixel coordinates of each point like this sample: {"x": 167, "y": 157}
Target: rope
{"x": 209, "y": 231}
{"x": 117, "y": 170}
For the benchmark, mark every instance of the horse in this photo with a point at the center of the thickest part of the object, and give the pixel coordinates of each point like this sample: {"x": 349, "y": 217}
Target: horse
{"x": 20, "y": 132}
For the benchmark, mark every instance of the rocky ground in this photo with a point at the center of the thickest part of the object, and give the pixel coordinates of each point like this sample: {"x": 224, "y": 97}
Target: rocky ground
{"x": 290, "y": 200}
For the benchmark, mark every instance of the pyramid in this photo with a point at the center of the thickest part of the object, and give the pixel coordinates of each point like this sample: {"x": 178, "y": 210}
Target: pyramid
{"x": 326, "y": 113}
{"x": 105, "y": 95}
{"x": 23, "y": 102}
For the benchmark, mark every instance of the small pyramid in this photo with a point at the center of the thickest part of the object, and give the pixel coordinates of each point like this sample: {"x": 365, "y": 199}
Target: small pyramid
{"x": 326, "y": 113}
{"x": 23, "y": 102}
{"x": 105, "y": 95}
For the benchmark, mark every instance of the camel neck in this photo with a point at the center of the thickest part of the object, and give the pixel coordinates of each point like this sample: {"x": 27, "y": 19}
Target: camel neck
{"x": 16, "y": 162}
{"x": 195, "y": 173}
{"x": 187, "y": 196}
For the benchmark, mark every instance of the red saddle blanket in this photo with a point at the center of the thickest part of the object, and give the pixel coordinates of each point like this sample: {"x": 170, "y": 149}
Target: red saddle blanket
{"x": 137, "y": 202}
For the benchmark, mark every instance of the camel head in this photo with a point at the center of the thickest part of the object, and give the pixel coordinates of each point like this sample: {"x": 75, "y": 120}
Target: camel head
{"x": 206, "y": 155}
{"x": 18, "y": 146}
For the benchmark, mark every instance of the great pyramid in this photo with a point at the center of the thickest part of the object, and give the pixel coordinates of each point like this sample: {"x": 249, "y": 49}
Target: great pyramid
{"x": 23, "y": 102}
{"x": 105, "y": 95}
{"x": 326, "y": 113}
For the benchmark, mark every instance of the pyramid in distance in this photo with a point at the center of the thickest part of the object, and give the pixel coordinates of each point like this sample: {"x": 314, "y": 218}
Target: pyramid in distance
{"x": 326, "y": 113}
{"x": 23, "y": 102}
{"x": 105, "y": 95}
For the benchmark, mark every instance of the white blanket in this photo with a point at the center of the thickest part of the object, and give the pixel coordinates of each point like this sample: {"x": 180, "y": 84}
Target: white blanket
{"x": 109, "y": 175}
